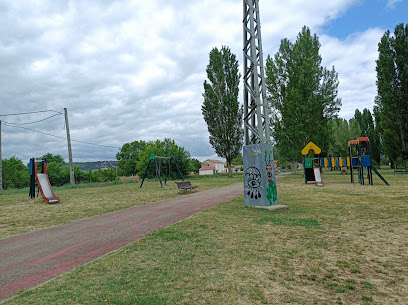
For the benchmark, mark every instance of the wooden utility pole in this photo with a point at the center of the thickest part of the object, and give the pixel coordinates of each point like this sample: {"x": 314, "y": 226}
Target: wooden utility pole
{"x": 71, "y": 164}
{"x": 1, "y": 164}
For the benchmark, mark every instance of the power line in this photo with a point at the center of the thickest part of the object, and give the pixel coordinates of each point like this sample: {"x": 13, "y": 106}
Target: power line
{"x": 34, "y": 121}
{"x": 32, "y": 112}
{"x": 51, "y": 135}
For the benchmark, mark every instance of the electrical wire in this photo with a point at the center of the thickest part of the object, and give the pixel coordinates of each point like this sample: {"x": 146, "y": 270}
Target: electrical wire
{"x": 32, "y": 112}
{"x": 51, "y": 135}
{"x": 34, "y": 121}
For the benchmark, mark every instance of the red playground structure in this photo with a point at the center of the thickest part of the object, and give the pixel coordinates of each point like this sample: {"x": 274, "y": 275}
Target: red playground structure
{"x": 44, "y": 185}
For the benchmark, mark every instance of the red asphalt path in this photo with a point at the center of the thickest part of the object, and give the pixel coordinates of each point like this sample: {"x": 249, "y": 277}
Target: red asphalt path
{"x": 29, "y": 259}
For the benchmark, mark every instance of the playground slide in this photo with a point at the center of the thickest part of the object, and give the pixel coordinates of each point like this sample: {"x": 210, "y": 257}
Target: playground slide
{"x": 318, "y": 176}
{"x": 379, "y": 175}
{"x": 45, "y": 188}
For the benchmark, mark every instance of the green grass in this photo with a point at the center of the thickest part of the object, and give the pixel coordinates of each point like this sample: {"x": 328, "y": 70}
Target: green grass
{"x": 325, "y": 249}
{"x": 19, "y": 214}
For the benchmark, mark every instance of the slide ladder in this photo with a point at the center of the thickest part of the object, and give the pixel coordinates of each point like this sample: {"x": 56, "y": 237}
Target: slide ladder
{"x": 379, "y": 175}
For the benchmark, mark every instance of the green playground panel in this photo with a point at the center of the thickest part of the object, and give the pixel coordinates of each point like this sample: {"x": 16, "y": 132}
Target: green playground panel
{"x": 308, "y": 163}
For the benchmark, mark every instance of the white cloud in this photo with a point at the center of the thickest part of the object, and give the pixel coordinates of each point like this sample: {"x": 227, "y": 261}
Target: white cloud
{"x": 127, "y": 71}
{"x": 40, "y": 65}
{"x": 354, "y": 60}
{"x": 392, "y": 3}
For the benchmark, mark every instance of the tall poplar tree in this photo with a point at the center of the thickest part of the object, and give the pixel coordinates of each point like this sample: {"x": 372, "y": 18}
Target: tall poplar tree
{"x": 221, "y": 108}
{"x": 303, "y": 96}
{"x": 343, "y": 131}
{"x": 392, "y": 87}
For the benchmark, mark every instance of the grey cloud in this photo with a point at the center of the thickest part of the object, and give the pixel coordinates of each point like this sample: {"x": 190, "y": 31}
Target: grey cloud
{"x": 125, "y": 71}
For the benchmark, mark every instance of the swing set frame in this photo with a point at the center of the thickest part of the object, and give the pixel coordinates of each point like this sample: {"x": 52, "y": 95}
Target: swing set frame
{"x": 157, "y": 165}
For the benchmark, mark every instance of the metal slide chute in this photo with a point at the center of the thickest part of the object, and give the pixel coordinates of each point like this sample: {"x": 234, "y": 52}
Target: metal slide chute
{"x": 318, "y": 176}
{"x": 44, "y": 185}
{"x": 45, "y": 188}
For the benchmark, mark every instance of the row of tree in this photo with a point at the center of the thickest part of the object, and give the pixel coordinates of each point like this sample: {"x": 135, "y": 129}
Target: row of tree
{"x": 391, "y": 110}
{"x": 304, "y": 105}
{"x": 387, "y": 126}
{"x": 361, "y": 125}
{"x": 132, "y": 159}
{"x": 17, "y": 175}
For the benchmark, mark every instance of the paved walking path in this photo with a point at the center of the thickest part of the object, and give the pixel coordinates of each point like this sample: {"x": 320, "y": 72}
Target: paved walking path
{"x": 29, "y": 259}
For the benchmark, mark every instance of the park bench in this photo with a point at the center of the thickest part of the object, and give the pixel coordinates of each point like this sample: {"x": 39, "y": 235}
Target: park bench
{"x": 400, "y": 172}
{"x": 185, "y": 186}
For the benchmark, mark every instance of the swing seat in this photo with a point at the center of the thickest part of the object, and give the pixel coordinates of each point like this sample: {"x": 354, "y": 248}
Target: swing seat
{"x": 185, "y": 186}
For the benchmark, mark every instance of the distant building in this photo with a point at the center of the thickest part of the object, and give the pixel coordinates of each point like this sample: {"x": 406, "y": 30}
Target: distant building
{"x": 226, "y": 168}
{"x": 235, "y": 168}
{"x": 206, "y": 170}
{"x": 211, "y": 167}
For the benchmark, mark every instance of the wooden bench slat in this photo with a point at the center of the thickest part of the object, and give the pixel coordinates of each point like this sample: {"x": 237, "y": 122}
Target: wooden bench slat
{"x": 185, "y": 185}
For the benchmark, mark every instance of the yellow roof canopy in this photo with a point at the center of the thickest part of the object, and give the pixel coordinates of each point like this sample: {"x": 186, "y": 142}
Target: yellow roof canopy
{"x": 311, "y": 146}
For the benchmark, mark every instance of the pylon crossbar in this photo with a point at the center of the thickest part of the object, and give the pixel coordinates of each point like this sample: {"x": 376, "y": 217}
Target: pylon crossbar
{"x": 256, "y": 111}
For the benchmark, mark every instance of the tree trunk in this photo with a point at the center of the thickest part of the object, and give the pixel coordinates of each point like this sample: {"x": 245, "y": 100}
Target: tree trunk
{"x": 229, "y": 170}
{"x": 294, "y": 167}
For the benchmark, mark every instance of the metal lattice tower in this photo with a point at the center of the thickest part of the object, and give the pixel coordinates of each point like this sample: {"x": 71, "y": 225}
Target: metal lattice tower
{"x": 256, "y": 115}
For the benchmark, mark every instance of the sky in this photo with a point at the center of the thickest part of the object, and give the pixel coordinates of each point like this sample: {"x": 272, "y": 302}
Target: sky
{"x": 134, "y": 70}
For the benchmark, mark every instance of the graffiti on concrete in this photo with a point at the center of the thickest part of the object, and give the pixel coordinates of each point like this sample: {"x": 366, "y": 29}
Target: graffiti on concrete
{"x": 256, "y": 151}
{"x": 253, "y": 182}
{"x": 271, "y": 191}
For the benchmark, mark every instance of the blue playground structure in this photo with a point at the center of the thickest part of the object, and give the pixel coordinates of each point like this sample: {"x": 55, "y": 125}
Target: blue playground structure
{"x": 359, "y": 160}
{"x": 362, "y": 161}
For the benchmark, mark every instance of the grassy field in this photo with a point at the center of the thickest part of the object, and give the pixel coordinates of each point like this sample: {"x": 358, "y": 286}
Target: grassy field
{"x": 339, "y": 244}
{"x": 19, "y": 214}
